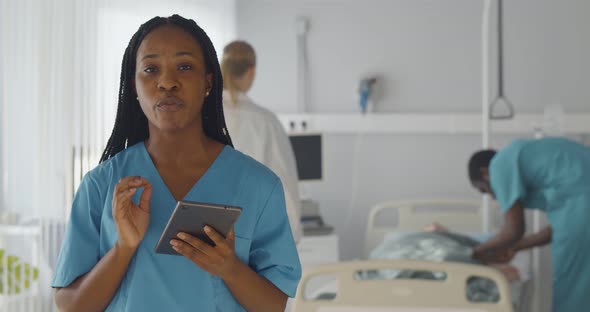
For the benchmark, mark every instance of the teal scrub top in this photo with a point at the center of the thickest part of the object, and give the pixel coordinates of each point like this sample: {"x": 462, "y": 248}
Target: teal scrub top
{"x": 552, "y": 174}
{"x": 157, "y": 282}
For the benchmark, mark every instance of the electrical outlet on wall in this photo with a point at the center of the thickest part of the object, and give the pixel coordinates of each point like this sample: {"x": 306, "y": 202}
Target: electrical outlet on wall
{"x": 295, "y": 123}
{"x": 303, "y": 125}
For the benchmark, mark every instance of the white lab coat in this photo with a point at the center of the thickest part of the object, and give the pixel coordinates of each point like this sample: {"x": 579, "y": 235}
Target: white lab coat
{"x": 257, "y": 132}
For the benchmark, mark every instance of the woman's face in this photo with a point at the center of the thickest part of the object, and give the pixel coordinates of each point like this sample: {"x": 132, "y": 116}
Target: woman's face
{"x": 171, "y": 79}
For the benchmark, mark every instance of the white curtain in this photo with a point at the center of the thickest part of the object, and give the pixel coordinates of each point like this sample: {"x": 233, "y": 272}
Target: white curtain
{"x": 37, "y": 50}
{"x": 60, "y": 65}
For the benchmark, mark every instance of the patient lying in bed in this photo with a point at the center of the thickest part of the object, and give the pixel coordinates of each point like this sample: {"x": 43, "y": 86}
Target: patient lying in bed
{"x": 508, "y": 270}
{"x": 438, "y": 244}
{"x": 435, "y": 243}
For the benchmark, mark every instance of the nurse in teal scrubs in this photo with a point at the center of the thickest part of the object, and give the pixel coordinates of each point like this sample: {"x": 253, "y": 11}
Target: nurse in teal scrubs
{"x": 170, "y": 143}
{"x": 553, "y": 175}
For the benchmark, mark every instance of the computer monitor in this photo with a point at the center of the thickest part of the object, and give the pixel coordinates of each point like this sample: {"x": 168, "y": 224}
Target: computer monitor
{"x": 308, "y": 155}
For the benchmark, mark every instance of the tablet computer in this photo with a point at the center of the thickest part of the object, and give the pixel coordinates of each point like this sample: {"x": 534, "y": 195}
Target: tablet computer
{"x": 191, "y": 217}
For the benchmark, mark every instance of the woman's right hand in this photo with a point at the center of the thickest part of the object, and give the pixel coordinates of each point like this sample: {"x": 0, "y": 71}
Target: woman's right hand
{"x": 503, "y": 256}
{"x": 132, "y": 220}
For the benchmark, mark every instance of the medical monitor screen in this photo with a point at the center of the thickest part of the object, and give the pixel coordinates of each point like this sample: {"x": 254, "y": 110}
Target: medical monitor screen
{"x": 308, "y": 155}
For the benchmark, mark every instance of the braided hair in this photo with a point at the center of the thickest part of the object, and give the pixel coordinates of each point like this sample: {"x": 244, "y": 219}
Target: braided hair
{"x": 131, "y": 124}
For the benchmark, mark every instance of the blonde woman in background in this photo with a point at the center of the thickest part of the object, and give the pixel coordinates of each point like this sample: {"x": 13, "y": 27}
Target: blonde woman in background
{"x": 256, "y": 131}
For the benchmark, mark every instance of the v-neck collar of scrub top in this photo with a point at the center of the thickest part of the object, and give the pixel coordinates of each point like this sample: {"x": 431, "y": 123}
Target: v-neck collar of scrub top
{"x": 159, "y": 183}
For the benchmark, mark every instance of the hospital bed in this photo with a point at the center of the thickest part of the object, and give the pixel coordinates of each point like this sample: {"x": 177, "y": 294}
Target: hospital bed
{"x": 398, "y": 217}
{"x": 458, "y": 215}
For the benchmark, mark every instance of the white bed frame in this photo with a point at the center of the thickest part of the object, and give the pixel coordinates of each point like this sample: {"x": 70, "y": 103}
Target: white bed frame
{"x": 43, "y": 241}
{"x": 460, "y": 215}
{"x": 28, "y": 298}
{"x": 402, "y": 295}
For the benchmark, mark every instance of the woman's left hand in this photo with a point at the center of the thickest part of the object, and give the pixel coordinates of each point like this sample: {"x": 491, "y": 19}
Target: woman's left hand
{"x": 219, "y": 260}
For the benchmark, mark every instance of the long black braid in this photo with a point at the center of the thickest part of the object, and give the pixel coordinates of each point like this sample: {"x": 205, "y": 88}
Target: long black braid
{"x": 131, "y": 125}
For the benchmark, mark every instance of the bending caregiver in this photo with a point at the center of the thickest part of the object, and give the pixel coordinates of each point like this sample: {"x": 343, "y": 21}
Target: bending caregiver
{"x": 551, "y": 174}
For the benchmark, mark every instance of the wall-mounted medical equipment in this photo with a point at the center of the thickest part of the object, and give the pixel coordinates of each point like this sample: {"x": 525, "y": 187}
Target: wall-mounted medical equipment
{"x": 303, "y": 84}
{"x": 366, "y": 88}
{"x": 308, "y": 155}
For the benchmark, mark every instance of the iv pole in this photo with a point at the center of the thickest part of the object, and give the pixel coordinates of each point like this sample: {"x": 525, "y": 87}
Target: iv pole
{"x": 485, "y": 100}
{"x": 486, "y": 116}
{"x": 488, "y": 105}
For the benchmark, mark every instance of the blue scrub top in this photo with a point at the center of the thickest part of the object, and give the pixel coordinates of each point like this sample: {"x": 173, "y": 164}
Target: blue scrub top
{"x": 540, "y": 173}
{"x": 552, "y": 174}
{"x": 156, "y": 282}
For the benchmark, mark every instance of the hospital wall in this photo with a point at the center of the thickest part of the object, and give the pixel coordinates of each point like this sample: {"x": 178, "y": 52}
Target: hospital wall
{"x": 427, "y": 55}
{"x": 427, "y": 51}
